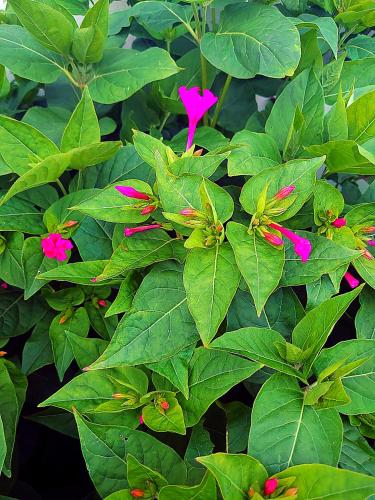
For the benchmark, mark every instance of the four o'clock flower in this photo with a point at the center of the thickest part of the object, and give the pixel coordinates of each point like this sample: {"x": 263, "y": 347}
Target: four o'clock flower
{"x": 130, "y": 192}
{"x": 351, "y": 280}
{"x": 55, "y": 247}
{"x": 196, "y": 106}
{"x": 129, "y": 231}
{"x": 284, "y": 192}
{"x": 4, "y": 285}
{"x": 371, "y": 243}
{"x": 339, "y": 222}
{"x": 270, "y": 486}
{"x": 302, "y": 246}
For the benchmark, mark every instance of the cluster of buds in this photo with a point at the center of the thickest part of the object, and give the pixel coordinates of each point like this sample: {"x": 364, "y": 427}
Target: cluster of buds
{"x": 130, "y": 398}
{"x": 272, "y": 232}
{"x": 147, "y": 204}
{"x": 212, "y": 229}
{"x": 274, "y": 488}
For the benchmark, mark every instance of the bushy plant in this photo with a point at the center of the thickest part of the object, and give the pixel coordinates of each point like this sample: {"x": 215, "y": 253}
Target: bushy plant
{"x": 187, "y": 209}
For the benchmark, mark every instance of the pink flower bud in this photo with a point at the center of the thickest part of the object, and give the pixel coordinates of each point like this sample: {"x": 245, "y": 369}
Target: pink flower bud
{"x": 270, "y": 486}
{"x": 164, "y": 405}
{"x": 367, "y": 255}
{"x": 132, "y": 193}
{"x": 340, "y": 222}
{"x": 93, "y": 280}
{"x": 141, "y": 421}
{"x": 284, "y": 192}
{"x": 102, "y": 303}
{"x": 371, "y": 243}
{"x": 189, "y": 212}
{"x": 352, "y": 281}
{"x": 368, "y": 229}
{"x": 4, "y": 285}
{"x": 273, "y": 239}
{"x": 55, "y": 247}
{"x": 148, "y": 210}
{"x": 129, "y": 231}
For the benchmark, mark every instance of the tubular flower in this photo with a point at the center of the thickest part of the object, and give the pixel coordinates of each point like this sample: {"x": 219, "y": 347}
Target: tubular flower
{"x": 371, "y": 243}
{"x": 270, "y": 486}
{"x": 273, "y": 239}
{"x": 141, "y": 421}
{"x": 55, "y": 247}
{"x": 302, "y": 246}
{"x": 132, "y": 193}
{"x": 340, "y": 222}
{"x": 196, "y": 106}
{"x": 129, "y": 231}
{"x": 284, "y": 192}
{"x": 351, "y": 280}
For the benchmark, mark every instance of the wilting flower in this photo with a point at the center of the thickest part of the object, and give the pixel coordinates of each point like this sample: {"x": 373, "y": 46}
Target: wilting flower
{"x": 270, "y": 486}
{"x": 284, "y": 192}
{"x": 132, "y": 193}
{"x": 4, "y": 285}
{"x": 340, "y": 222}
{"x": 196, "y": 106}
{"x": 273, "y": 239}
{"x": 352, "y": 281}
{"x": 129, "y": 231}
{"x": 55, "y": 246}
{"x": 302, "y": 246}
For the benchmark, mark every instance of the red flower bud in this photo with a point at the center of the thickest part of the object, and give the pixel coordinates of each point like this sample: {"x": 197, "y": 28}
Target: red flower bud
{"x": 129, "y": 231}
{"x": 291, "y": 492}
{"x": 93, "y": 280}
{"x": 70, "y": 223}
{"x": 340, "y": 222}
{"x": 147, "y": 210}
{"x": 368, "y": 229}
{"x": 3, "y": 353}
{"x": 141, "y": 421}
{"x": 137, "y": 493}
{"x": 102, "y": 303}
{"x": 63, "y": 319}
{"x": 367, "y": 255}
{"x": 284, "y": 192}
{"x": 4, "y": 285}
{"x": 251, "y": 492}
{"x": 189, "y": 212}
{"x": 270, "y": 486}
{"x": 198, "y": 152}
{"x": 164, "y": 405}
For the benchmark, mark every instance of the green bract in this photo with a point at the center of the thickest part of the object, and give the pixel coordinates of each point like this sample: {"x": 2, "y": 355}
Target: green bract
{"x": 187, "y": 253}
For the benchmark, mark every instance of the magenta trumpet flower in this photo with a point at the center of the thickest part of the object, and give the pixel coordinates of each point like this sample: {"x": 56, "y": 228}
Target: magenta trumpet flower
{"x": 129, "y": 231}
{"x": 132, "y": 193}
{"x": 351, "y": 280}
{"x": 302, "y": 246}
{"x": 55, "y": 247}
{"x": 196, "y": 106}
{"x": 284, "y": 192}
{"x": 340, "y": 222}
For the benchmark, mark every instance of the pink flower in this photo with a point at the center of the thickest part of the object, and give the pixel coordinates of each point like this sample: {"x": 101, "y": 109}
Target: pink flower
{"x": 340, "y": 222}
{"x": 302, "y": 246}
{"x": 129, "y": 231}
{"x": 196, "y": 106}
{"x": 4, "y": 285}
{"x": 270, "y": 486}
{"x": 352, "y": 281}
{"x": 102, "y": 303}
{"x": 371, "y": 243}
{"x": 132, "y": 193}
{"x": 141, "y": 421}
{"x": 273, "y": 239}
{"x": 188, "y": 212}
{"x": 55, "y": 247}
{"x": 148, "y": 209}
{"x": 284, "y": 192}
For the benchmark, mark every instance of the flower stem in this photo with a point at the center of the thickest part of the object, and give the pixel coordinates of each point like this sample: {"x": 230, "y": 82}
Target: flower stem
{"x": 221, "y": 101}
{"x": 60, "y": 184}
{"x": 213, "y": 19}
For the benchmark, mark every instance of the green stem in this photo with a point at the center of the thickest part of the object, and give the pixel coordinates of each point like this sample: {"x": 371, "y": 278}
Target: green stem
{"x": 79, "y": 180}
{"x": 167, "y": 115}
{"x": 221, "y": 100}
{"x": 168, "y": 42}
{"x": 60, "y": 184}
{"x": 197, "y": 21}
{"x": 204, "y": 82}
{"x": 213, "y": 19}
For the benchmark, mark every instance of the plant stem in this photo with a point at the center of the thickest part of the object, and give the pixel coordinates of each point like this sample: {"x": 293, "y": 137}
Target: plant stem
{"x": 213, "y": 19}
{"x": 60, "y": 184}
{"x": 221, "y": 101}
{"x": 167, "y": 115}
{"x": 79, "y": 180}
{"x": 168, "y": 42}
{"x": 197, "y": 21}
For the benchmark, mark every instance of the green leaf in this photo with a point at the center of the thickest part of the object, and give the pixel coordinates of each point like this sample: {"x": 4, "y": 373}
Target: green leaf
{"x": 365, "y": 320}
{"x": 250, "y": 47}
{"x": 90, "y": 391}
{"x": 321, "y": 481}
{"x": 212, "y": 374}
{"x": 85, "y": 350}
{"x": 18, "y": 316}
{"x": 92, "y": 154}
{"x": 211, "y": 278}
{"x": 21, "y": 144}
{"x": 260, "y": 263}
{"x": 124, "y": 298}
{"x": 159, "y": 324}
{"x": 48, "y": 170}
{"x": 49, "y": 26}
{"x": 97, "y": 16}
{"x": 356, "y": 454}
{"x": 83, "y": 126}
{"x": 199, "y": 444}
{"x": 234, "y": 473}
{"x": 297, "y": 434}
{"x": 170, "y": 420}
{"x": 361, "y": 118}
{"x": 257, "y": 152}
{"x": 122, "y": 72}
{"x": 81, "y": 273}
{"x": 206, "y": 490}
{"x": 326, "y": 198}
{"x": 326, "y": 256}
{"x": 337, "y": 120}
{"x": 11, "y": 269}
{"x": 360, "y": 46}
{"x": 21, "y": 215}
{"x": 238, "y": 426}
{"x": 325, "y": 25}
{"x": 205, "y": 165}
{"x": 358, "y": 383}
{"x": 313, "y": 330}
{"x": 258, "y": 344}
{"x": 298, "y": 173}
{"x": 304, "y": 91}
{"x": 37, "y": 351}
